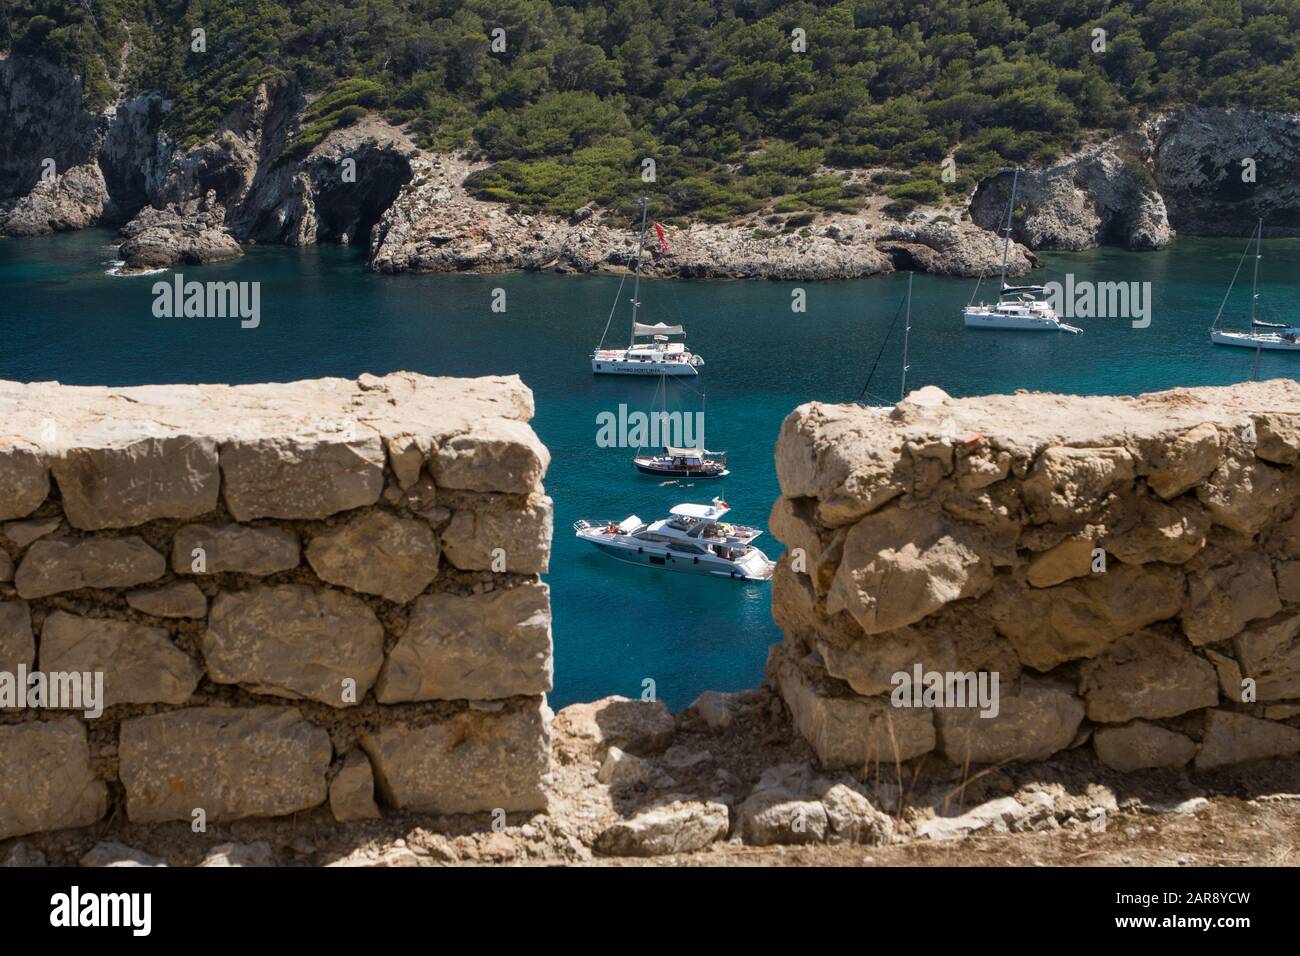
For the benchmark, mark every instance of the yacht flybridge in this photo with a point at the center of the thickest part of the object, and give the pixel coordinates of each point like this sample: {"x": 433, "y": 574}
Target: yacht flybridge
{"x": 1019, "y": 308}
{"x": 692, "y": 540}
{"x": 651, "y": 349}
{"x": 1275, "y": 336}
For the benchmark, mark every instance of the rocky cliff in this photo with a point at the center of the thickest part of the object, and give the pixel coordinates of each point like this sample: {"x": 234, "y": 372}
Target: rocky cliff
{"x": 1127, "y": 568}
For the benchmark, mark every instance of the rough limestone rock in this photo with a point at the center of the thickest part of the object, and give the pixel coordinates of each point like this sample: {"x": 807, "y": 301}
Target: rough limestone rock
{"x": 112, "y": 853}
{"x": 790, "y": 804}
{"x": 74, "y": 199}
{"x": 1003, "y": 815}
{"x": 1224, "y": 597}
{"x": 1103, "y": 194}
{"x": 900, "y": 566}
{"x": 1150, "y": 531}
{"x": 1147, "y": 675}
{"x": 1141, "y": 746}
{"x": 141, "y": 664}
{"x": 677, "y": 826}
{"x": 1038, "y": 722}
{"x": 55, "y": 565}
{"x": 1245, "y": 494}
{"x": 845, "y": 731}
{"x": 1072, "y": 558}
{"x": 1269, "y": 653}
{"x": 124, "y": 483}
{"x": 240, "y": 854}
{"x": 1068, "y": 484}
{"x": 233, "y": 548}
{"x": 23, "y": 533}
{"x": 352, "y": 791}
{"x": 295, "y": 641}
{"x": 474, "y": 647}
{"x": 187, "y": 233}
{"x": 522, "y": 533}
{"x": 232, "y": 763}
{"x": 181, "y": 599}
{"x": 503, "y": 456}
{"x": 1186, "y": 461}
{"x": 24, "y": 479}
{"x": 311, "y": 477}
{"x": 1049, "y": 626}
{"x": 474, "y": 761}
{"x": 377, "y": 553}
{"x": 17, "y": 646}
{"x": 1232, "y": 738}
{"x": 640, "y": 727}
{"x": 46, "y": 782}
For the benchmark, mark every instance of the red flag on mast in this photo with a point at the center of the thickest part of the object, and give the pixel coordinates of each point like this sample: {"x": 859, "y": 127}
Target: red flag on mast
{"x": 663, "y": 240}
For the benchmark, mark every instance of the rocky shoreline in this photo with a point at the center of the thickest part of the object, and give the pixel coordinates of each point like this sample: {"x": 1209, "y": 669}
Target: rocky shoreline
{"x": 368, "y": 183}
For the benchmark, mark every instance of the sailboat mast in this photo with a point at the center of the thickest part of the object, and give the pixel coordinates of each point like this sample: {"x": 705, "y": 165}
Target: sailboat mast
{"x": 1254, "y": 286}
{"x": 636, "y": 286}
{"x": 1006, "y": 242}
{"x": 907, "y": 332}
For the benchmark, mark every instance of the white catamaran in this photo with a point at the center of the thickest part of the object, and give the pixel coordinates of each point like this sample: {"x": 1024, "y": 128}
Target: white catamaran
{"x": 651, "y": 349}
{"x": 1275, "y": 336}
{"x": 1019, "y": 308}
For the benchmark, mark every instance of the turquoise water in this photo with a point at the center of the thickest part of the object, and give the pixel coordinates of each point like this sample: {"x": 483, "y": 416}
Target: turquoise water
{"x": 62, "y": 317}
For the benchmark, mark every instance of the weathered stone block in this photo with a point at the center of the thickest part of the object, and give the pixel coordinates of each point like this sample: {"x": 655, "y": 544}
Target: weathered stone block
{"x": 178, "y": 599}
{"x": 476, "y": 647}
{"x": 140, "y": 665}
{"x": 24, "y": 479}
{"x": 377, "y": 553}
{"x": 1147, "y": 675}
{"x": 498, "y": 455}
{"x": 352, "y": 791}
{"x": 45, "y": 778}
{"x": 67, "y": 564}
{"x": 1232, "y": 738}
{"x": 133, "y": 483}
{"x": 231, "y": 763}
{"x": 1038, "y": 722}
{"x": 17, "y": 646}
{"x": 233, "y": 548}
{"x": 301, "y": 477}
{"x": 845, "y": 731}
{"x": 521, "y": 531}
{"x": 1223, "y": 599}
{"x": 1269, "y": 652}
{"x": 294, "y": 641}
{"x": 1141, "y": 746}
{"x": 472, "y": 762}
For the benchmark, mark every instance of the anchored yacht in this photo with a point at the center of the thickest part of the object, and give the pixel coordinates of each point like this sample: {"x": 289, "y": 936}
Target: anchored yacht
{"x": 1019, "y": 308}
{"x": 1279, "y": 336}
{"x": 650, "y": 349}
{"x": 683, "y": 463}
{"x": 693, "y": 540}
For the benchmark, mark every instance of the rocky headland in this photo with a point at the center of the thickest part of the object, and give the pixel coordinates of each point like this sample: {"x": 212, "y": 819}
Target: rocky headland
{"x": 64, "y": 166}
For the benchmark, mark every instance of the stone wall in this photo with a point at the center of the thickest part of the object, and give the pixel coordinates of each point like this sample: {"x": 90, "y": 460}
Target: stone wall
{"x": 1128, "y": 567}
{"x": 323, "y": 593}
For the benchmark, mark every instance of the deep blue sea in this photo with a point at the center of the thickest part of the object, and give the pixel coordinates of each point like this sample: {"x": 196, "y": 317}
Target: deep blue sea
{"x": 62, "y": 316}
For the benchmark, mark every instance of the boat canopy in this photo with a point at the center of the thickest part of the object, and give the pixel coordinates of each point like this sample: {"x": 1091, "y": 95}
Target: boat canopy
{"x": 685, "y": 452}
{"x": 630, "y": 524}
{"x": 640, "y": 328}
{"x": 1007, "y": 289}
{"x": 700, "y": 511}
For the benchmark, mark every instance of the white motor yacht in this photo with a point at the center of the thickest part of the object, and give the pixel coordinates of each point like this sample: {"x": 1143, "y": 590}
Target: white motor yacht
{"x": 651, "y": 349}
{"x": 693, "y": 540}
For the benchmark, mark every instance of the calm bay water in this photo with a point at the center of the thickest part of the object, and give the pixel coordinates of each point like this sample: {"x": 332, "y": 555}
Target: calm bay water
{"x": 63, "y": 317}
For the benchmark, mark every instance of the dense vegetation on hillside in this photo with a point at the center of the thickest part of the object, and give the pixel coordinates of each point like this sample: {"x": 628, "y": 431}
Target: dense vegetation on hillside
{"x": 713, "y": 90}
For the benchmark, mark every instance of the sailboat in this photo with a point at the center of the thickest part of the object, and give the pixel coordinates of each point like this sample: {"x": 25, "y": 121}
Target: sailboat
{"x": 675, "y": 462}
{"x": 1279, "y": 337}
{"x": 1019, "y": 307}
{"x": 651, "y": 349}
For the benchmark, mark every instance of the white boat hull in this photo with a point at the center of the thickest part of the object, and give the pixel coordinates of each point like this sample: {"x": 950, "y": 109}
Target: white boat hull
{"x": 757, "y": 568}
{"x": 1011, "y": 323}
{"x": 1260, "y": 341}
{"x": 616, "y": 366}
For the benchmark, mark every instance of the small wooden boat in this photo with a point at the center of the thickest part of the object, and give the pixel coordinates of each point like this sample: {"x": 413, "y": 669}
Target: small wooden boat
{"x": 683, "y": 463}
